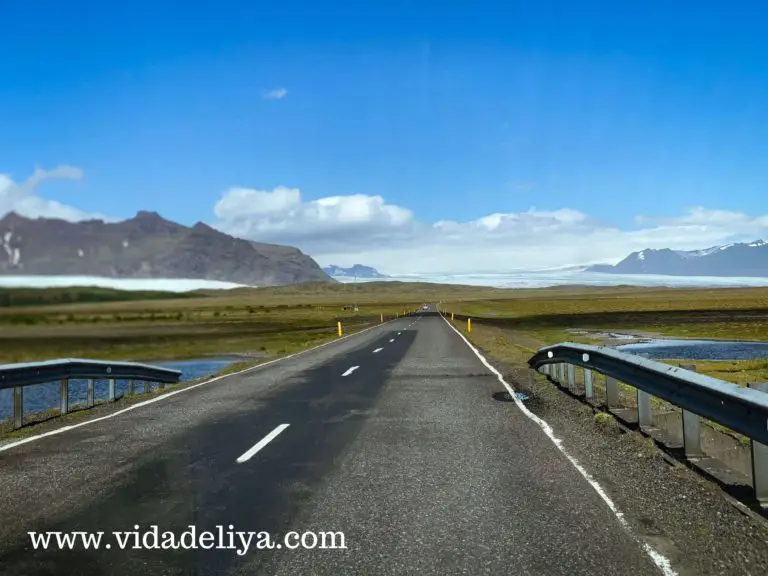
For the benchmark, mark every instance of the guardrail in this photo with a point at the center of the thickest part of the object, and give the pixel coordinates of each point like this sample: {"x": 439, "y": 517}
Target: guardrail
{"x": 744, "y": 410}
{"x": 18, "y": 376}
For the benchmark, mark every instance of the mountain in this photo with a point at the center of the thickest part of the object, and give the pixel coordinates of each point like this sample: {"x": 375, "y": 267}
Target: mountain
{"x": 745, "y": 260}
{"x": 358, "y": 271}
{"x": 146, "y": 246}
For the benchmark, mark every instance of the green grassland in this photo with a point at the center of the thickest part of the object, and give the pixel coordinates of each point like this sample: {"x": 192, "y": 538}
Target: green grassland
{"x": 514, "y": 326}
{"x": 40, "y": 324}
{"x": 86, "y": 322}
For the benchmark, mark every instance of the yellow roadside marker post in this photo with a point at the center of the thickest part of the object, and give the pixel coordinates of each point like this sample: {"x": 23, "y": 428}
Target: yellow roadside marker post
{"x": 469, "y": 325}
{"x": 338, "y": 325}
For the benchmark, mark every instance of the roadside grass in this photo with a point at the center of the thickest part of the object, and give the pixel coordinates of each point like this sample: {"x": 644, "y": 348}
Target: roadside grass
{"x": 730, "y": 313}
{"x": 225, "y": 330}
{"x": 39, "y": 422}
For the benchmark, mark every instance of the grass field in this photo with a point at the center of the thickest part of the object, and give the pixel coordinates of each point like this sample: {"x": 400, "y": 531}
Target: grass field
{"x": 525, "y": 320}
{"x": 112, "y": 324}
{"x": 40, "y": 324}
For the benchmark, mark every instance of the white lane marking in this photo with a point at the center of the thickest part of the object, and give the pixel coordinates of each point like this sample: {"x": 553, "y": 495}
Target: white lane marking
{"x": 391, "y": 339}
{"x": 261, "y": 443}
{"x": 399, "y": 333}
{"x": 378, "y": 350}
{"x": 350, "y": 370}
{"x": 187, "y": 389}
{"x": 661, "y": 561}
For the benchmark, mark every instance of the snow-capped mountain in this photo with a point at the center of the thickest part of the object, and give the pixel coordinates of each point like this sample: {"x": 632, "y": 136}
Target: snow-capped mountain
{"x": 358, "y": 271}
{"x": 741, "y": 259}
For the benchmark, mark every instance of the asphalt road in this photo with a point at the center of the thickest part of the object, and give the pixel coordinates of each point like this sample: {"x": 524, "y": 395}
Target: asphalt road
{"x": 392, "y": 437}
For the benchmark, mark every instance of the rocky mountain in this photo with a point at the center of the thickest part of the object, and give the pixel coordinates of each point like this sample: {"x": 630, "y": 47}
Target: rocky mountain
{"x": 357, "y": 271}
{"x": 750, "y": 260}
{"x": 146, "y": 246}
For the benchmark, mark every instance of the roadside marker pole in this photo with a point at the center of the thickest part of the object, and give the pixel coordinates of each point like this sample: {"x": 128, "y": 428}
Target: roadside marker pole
{"x": 469, "y": 325}
{"x": 338, "y": 325}
{"x": 382, "y": 317}
{"x": 451, "y": 315}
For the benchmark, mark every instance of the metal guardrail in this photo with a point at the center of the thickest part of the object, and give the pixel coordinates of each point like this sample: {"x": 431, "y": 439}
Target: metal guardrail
{"x": 17, "y": 376}
{"x": 744, "y": 410}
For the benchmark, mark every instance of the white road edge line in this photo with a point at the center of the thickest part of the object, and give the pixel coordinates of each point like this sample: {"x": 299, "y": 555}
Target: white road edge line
{"x": 350, "y": 370}
{"x": 5, "y": 447}
{"x": 378, "y": 350}
{"x": 661, "y": 561}
{"x": 261, "y": 443}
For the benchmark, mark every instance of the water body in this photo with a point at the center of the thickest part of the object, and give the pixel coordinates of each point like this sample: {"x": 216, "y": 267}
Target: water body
{"x": 42, "y": 397}
{"x": 698, "y": 349}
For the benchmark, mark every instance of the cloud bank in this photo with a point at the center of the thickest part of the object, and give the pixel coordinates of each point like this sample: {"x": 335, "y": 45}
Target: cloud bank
{"x": 359, "y": 228}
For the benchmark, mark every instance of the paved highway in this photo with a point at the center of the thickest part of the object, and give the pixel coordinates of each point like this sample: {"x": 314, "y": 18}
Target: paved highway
{"x": 391, "y": 437}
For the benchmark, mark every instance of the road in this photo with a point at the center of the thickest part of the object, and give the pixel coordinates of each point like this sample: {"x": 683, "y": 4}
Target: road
{"x": 393, "y": 438}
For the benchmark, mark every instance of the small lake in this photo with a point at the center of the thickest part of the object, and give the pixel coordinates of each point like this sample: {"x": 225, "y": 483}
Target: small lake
{"x": 698, "y": 349}
{"x": 42, "y": 397}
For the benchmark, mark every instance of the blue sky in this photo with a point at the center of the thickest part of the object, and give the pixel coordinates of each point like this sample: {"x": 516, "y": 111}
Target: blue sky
{"x": 450, "y": 112}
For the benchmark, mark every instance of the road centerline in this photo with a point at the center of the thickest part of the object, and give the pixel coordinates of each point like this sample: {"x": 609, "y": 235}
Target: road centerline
{"x": 251, "y": 452}
{"x": 350, "y": 370}
{"x": 378, "y": 350}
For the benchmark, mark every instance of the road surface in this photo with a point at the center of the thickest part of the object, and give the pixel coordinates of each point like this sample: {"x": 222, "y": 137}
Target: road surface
{"x": 392, "y": 437}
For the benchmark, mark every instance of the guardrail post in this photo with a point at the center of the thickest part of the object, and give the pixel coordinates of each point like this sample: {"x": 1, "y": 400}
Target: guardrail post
{"x": 561, "y": 374}
{"x": 644, "y": 414}
{"x": 588, "y": 391}
{"x": 111, "y": 389}
{"x": 131, "y": 387}
{"x": 611, "y": 392}
{"x": 760, "y": 461}
{"x": 161, "y": 385}
{"x": 89, "y": 394}
{"x": 691, "y": 427}
{"x": 18, "y": 406}
{"x": 571, "y": 376}
{"x": 64, "y": 396}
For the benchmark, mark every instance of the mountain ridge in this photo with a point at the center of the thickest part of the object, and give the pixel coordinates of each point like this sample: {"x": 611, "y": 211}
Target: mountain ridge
{"x": 357, "y": 271}
{"x": 147, "y": 246}
{"x": 742, "y": 259}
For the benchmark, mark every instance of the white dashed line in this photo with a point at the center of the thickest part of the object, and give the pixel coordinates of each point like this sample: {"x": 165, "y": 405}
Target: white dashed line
{"x": 399, "y": 333}
{"x": 391, "y": 339}
{"x": 348, "y": 372}
{"x": 378, "y": 350}
{"x": 261, "y": 443}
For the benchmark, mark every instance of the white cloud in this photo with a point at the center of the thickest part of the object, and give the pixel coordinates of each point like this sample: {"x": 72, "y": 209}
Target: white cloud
{"x": 22, "y": 198}
{"x": 326, "y": 224}
{"x": 357, "y": 228}
{"x": 276, "y": 94}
